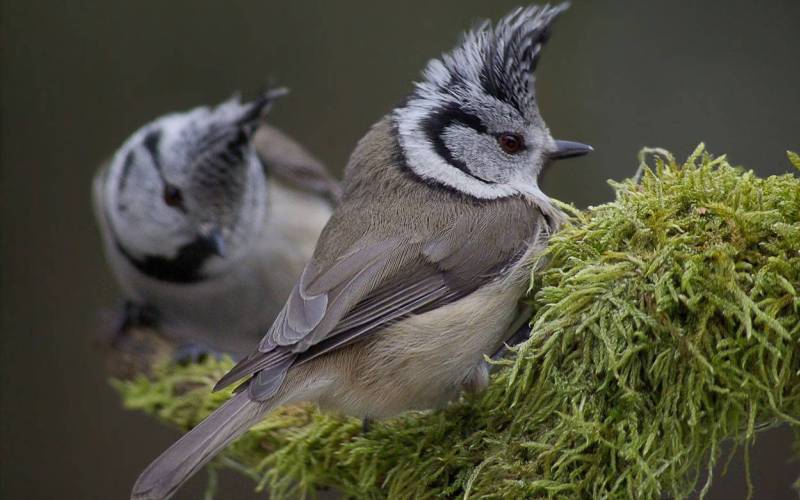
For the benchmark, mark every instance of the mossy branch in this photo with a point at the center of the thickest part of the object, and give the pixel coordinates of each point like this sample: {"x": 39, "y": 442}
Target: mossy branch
{"x": 665, "y": 323}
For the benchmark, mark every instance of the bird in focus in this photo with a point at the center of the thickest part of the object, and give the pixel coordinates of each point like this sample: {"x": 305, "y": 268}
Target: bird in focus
{"x": 207, "y": 218}
{"x": 418, "y": 274}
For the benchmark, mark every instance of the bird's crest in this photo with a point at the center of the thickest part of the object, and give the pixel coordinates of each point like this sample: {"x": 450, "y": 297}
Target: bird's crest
{"x": 498, "y": 60}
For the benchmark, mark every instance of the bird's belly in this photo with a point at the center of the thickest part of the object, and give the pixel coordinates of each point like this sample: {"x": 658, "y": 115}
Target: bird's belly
{"x": 223, "y": 318}
{"x": 423, "y": 361}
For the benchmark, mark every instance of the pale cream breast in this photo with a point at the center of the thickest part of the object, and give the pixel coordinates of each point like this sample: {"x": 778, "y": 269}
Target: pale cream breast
{"x": 424, "y": 361}
{"x": 419, "y": 363}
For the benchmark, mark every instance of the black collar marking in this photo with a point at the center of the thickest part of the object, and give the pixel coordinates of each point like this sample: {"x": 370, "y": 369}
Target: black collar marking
{"x": 436, "y": 124}
{"x": 184, "y": 268}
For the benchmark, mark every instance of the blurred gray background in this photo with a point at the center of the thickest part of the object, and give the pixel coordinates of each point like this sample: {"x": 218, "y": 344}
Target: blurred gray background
{"x": 78, "y": 77}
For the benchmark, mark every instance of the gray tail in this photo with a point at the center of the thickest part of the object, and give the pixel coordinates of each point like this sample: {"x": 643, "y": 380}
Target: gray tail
{"x": 196, "y": 448}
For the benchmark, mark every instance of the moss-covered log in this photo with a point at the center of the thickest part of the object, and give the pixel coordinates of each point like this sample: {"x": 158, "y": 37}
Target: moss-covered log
{"x": 665, "y": 323}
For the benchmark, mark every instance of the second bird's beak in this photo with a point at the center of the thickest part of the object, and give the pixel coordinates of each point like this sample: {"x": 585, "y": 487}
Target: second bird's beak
{"x": 570, "y": 149}
{"x": 216, "y": 243}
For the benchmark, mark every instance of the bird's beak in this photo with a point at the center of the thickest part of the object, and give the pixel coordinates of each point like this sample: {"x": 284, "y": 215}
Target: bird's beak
{"x": 570, "y": 149}
{"x": 216, "y": 242}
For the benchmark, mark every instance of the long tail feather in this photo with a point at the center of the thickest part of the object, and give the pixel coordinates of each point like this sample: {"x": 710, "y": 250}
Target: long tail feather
{"x": 196, "y": 448}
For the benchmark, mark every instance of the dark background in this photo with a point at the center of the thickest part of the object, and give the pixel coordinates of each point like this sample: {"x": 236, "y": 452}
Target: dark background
{"x": 79, "y": 77}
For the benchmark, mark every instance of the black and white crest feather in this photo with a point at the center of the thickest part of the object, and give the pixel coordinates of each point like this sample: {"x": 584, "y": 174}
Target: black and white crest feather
{"x": 513, "y": 53}
{"x": 471, "y": 95}
{"x": 500, "y": 59}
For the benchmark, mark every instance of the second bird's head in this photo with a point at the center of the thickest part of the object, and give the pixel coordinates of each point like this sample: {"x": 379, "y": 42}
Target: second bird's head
{"x": 186, "y": 194}
{"x": 473, "y": 123}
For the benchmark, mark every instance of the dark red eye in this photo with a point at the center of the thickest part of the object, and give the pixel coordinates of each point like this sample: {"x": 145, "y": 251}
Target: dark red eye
{"x": 511, "y": 143}
{"x": 173, "y": 196}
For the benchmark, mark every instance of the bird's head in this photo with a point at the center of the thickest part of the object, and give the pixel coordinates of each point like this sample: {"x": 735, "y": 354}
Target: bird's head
{"x": 189, "y": 188}
{"x": 473, "y": 123}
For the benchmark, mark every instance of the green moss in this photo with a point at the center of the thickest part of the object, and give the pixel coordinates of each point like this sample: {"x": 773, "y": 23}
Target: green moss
{"x": 666, "y": 322}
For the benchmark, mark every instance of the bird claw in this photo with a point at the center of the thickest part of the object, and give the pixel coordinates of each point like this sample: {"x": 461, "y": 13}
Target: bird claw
{"x": 366, "y": 424}
{"x": 133, "y": 315}
{"x": 190, "y": 353}
{"x": 520, "y": 336}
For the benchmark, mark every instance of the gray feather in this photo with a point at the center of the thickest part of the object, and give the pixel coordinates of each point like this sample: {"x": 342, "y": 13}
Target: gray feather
{"x": 196, "y": 448}
{"x": 303, "y": 312}
{"x": 510, "y": 52}
{"x": 267, "y": 382}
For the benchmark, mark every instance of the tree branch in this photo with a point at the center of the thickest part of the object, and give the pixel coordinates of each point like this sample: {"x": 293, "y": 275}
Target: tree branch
{"x": 665, "y": 323}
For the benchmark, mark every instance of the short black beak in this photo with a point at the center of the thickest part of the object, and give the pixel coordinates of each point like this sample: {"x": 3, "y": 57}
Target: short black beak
{"x": 216, "y": 243}
{"x": 569, "y": 149}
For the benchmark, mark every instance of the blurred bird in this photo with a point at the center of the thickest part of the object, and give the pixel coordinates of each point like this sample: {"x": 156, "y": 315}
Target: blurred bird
{"x": 207, "y": 221}
{"x": 417, "y": 276}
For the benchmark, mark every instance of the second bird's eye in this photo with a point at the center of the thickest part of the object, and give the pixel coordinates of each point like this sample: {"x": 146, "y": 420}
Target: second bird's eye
{"x": 511, "y": 143}
{"x": 173, "y": 196}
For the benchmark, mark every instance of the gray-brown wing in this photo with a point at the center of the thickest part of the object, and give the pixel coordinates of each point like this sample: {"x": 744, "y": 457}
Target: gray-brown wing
{"x": 318, "y": 301}
{"x": 288, "y": 160}
{"x": 374, "y": 285}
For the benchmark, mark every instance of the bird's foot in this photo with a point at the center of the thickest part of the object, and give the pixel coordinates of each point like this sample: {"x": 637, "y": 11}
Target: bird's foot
{"x": 366, "y": 424}
{"x": 133, "y": 315}
{"x": 521, "y": 335}
{"x": 191, "y": 353}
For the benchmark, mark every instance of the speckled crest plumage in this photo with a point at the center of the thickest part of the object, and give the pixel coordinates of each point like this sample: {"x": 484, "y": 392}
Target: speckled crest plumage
{"x": 498, "y": 60}
{"x": 470, "y": 96}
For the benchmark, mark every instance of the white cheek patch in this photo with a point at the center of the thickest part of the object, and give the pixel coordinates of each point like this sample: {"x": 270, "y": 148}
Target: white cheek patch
{"x": 144, "y": 225}
{"x": 426, "y": 163}
{"x": 423, "y": 160}
{"x": 479, "y": 152}
{"x": 138, "y": 217}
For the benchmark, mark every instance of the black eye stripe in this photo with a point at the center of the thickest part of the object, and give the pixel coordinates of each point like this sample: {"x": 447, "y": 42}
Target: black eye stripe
{"x": 450, "y": 114}
{"x": 127, "y": 163}
{"x": 151, "y": 142}
{"x": 435, "y": 126}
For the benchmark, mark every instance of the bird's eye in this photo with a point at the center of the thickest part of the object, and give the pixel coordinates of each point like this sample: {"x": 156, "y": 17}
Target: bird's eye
{"x": 511, "y": 143}
{"x": 173, "y": 196}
